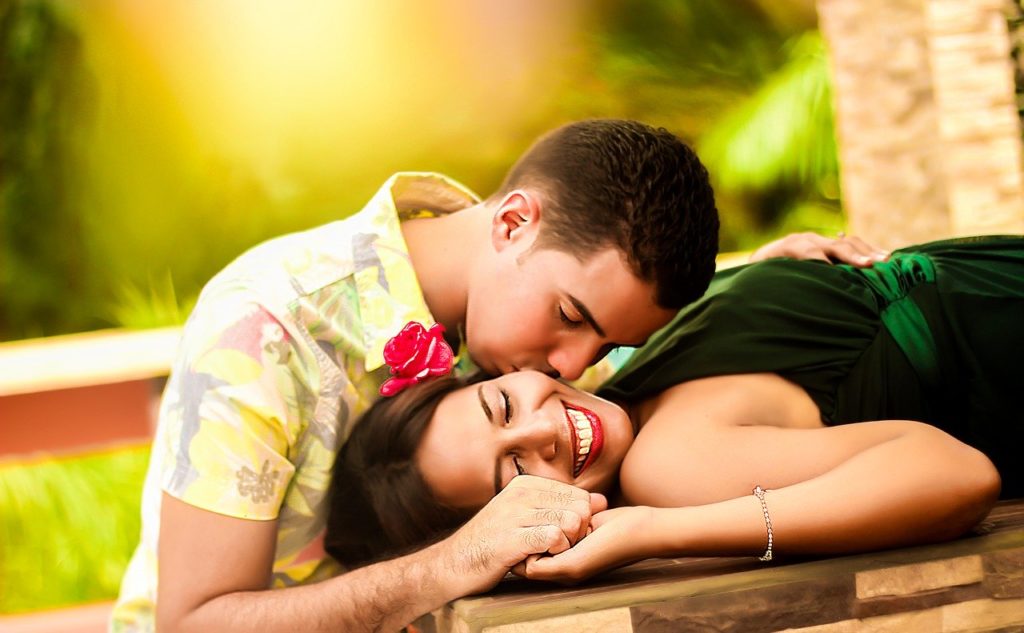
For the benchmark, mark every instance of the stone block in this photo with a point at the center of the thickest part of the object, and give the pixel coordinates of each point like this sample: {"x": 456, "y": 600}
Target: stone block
{"x": 1004, "y": 573}
{"x": 764, "y": 609}
{"x": 929, "y": 620}
{"x": 981, "y": 615}
{"x": 607, "y": 621}
{"x": 910, "y": 579}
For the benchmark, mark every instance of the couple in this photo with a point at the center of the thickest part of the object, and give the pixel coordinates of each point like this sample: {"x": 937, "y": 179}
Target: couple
{"x": 598, "y": 235}
{"x": 798, "y": 407}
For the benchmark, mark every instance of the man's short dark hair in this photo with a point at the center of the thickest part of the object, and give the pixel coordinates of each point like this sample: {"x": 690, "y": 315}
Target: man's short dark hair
{"x": 624, "y": 184}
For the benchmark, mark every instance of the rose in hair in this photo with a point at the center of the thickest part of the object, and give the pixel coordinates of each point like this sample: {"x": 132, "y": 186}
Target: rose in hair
{"x": 414, "y": 355}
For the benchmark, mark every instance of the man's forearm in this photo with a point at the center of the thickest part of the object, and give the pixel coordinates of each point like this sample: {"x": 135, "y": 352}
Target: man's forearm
{"x": 381, "y": 597}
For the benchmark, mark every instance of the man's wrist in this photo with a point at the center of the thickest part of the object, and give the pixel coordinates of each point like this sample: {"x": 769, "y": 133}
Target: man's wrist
{"x": 451, "y": 570}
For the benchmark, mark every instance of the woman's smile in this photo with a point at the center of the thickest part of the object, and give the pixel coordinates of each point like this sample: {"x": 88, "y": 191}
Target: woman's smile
{"x": 587, "y": 436}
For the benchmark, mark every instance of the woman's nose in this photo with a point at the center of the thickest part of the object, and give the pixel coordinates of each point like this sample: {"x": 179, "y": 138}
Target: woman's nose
{"x": 537, "y": 435}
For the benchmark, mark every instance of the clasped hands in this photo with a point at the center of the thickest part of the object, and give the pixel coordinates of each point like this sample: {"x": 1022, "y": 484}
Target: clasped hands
{"x": 546, "y": 530}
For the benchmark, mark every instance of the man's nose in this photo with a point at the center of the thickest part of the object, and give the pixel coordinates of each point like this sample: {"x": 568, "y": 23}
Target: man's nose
{"x": 570, "y": 361}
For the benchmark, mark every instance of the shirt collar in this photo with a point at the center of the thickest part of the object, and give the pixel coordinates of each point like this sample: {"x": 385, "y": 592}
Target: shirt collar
{"x": 389, "y": 292}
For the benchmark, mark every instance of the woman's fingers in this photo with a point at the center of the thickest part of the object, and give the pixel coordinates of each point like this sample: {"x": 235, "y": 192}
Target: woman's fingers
{"x": 570, "y": 566}
{"x": 520, "y": 567}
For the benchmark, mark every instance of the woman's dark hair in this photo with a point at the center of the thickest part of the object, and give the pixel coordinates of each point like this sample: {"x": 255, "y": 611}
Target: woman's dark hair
{"x": 379, "y": 505}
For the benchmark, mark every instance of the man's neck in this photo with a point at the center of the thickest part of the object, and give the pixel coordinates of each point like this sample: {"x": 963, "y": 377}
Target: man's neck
{"x": 443, "y": 251}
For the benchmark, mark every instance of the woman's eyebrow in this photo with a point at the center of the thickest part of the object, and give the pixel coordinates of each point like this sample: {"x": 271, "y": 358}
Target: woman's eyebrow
{"x": 483, "y": 403}
{"x": 490, "y": 418}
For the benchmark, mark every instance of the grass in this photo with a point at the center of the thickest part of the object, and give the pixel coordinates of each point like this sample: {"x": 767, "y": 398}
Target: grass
{"x": 68, "y": 527}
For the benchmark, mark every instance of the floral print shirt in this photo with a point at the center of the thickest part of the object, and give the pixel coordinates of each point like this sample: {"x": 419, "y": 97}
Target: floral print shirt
{"x": 281, "y": 355}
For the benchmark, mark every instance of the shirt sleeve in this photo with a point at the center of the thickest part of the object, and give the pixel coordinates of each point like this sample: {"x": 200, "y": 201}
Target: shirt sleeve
{"x": 231, "y": 414}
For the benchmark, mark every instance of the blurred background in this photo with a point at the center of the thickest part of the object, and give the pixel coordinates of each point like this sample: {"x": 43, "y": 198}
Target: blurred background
{"x": 145, "y": 144}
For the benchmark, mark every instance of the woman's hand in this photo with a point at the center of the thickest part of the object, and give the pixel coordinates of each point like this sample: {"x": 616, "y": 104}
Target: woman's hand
{"x": 846, "y": 249}
{"x": 620, "y": 536}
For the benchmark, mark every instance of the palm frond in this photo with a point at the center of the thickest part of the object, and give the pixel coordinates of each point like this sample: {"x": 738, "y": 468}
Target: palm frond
{"x": 784, "y": 132}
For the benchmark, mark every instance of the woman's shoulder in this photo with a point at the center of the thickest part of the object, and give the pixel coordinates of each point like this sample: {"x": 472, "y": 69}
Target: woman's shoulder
{"x": 772, "y": 316}
{"x": 686, "y": 432}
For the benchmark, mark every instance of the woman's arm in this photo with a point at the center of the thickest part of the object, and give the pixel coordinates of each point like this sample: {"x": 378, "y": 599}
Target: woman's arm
{"x": 842, "y": 489}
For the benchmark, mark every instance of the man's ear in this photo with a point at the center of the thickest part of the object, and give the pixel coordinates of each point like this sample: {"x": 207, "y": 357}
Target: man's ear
{"x": 516, "y": 220}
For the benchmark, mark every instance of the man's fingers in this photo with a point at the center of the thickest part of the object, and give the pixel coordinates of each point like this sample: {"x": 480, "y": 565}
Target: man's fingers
{"x": 552, "y": 492}
{"x": 876, "y": 254}
{"x": 572, "y": 525}
{"x": 598, "y": 503}
{"x": 846, "y": 252}
{"x": 541, "y": 539}
{"x": 851, "y": 249}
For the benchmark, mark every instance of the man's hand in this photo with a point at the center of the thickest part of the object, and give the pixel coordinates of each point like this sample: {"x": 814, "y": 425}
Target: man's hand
{"x": 532, "y": 515}
{"x": 620, "y": 536}
{"x": 841, "y": 249}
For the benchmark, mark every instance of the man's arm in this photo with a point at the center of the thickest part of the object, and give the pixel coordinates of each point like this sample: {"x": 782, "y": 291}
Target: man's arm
{"x": 215, "y": 570}
{"x": 846, "y": 249}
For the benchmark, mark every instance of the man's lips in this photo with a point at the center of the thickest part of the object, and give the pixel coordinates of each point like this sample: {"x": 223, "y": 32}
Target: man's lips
{"x": 587, "y": 435}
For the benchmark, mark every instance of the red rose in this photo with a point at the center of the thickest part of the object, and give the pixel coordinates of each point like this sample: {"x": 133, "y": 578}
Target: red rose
{"x": 414, "y": 355}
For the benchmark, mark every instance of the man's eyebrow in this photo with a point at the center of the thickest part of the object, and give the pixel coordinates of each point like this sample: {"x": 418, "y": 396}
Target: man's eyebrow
{"x": 490, "y": 420}
{"x": 587, "y": 316}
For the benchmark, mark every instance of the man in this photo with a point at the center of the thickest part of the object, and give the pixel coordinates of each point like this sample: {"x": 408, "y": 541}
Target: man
{"x": 597, "y": 236}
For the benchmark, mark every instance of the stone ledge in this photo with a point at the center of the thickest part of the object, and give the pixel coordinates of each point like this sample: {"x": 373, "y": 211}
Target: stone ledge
{"x": 971, "y": 583}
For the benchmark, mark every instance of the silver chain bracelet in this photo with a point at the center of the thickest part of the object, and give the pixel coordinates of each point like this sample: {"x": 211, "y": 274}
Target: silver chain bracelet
{"x": 759, "y": 493}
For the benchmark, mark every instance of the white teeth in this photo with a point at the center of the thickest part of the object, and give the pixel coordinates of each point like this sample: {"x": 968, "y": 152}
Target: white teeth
{"x": 578, "y": 418}
{"x": 584, "y": 433}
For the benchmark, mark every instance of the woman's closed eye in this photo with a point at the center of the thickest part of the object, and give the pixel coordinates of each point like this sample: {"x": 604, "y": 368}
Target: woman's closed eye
{"x": 520, "y": 470}
{"x": 507, "y": 404}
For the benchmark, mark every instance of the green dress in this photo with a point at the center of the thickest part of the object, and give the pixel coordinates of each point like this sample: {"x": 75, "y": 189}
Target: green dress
{"x": 935, "y": 334}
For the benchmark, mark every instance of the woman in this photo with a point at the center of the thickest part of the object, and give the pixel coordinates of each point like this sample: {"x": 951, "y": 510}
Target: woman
{"x": 760, "y": 386}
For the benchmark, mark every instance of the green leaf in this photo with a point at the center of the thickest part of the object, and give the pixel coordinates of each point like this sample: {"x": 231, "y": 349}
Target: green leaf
{"x": 784, "y": 133}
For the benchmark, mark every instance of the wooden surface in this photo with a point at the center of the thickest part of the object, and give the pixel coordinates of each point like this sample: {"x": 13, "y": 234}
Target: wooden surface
{"x": 973, "y": 583}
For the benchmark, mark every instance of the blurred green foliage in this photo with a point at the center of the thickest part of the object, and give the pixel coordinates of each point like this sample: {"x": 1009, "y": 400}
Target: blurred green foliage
{"x": 750, "y": 88}
{"x": 75, "y": 522}
{"x": 43, "y": 91}
{"x": 109, "y": 187}
{"x": 154, "y": 305}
